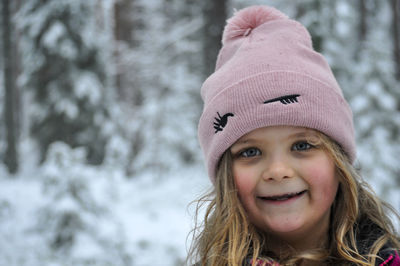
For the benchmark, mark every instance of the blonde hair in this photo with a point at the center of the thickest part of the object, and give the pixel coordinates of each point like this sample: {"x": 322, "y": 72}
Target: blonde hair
{"x": 226, "y": 237}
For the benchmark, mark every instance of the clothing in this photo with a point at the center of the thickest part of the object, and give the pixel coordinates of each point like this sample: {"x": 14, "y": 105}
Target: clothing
{"x": 260, "y": 262}
{"x": 366, "y": 234}
{"x": 391, "y": 257}
{"x": 268, "y": 74}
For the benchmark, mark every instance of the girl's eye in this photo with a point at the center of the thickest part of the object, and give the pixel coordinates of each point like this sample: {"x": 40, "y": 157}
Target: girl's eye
{"x": 250, "y": 152}
{"x": 302, "y": 146}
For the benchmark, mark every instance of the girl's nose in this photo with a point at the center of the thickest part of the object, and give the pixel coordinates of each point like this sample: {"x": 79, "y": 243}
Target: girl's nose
{"x": 277, "y": 170}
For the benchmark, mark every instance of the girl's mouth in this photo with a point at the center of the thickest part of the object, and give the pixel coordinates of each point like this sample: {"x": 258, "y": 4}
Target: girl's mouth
{"x": 284, "y": 196}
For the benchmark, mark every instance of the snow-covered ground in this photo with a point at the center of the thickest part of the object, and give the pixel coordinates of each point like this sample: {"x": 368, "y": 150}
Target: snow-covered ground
{"x": 140, "y": 221}
{"x": 159, "y": 219}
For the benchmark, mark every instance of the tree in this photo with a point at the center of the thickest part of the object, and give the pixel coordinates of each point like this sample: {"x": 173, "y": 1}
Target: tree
{"x": 74, "y": 213}
{"x": 214, "y": 14}
{"x": 158, "y": 59}
{"x": 128, "y": 21}
{"x": 396, "y": 35}
{"x": 65, "y": 72}
{"x": 366, "y": 72}
{"x": 11, "y": 153}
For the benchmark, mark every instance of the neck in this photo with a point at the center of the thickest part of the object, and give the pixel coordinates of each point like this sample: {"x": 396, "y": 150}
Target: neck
{"x": 285, "y": 245}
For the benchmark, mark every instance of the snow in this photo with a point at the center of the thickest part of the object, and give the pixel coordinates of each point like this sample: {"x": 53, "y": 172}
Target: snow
{"x": 150, "y": 214}
{"x": 134, "y": 208}
{"x": 67, "y": 107}
{"x": 159, "y": 220}
{"x": 54, "y": 41}
{"x": 344, "y": 9}
{"x": 88, "y": 85}
{"x": 18, "y": 200}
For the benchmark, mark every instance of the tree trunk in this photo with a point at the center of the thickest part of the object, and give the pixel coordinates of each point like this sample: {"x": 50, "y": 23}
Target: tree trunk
{"x": 214, "y": 14}
{"x": 127, "y": 22}
{"x": 16, "y": 66}
{"x": 396, "y": 36}
{"x": 362, "y": 26}
{"x": 10, "y": 158}
{"x": 117, "y": 36}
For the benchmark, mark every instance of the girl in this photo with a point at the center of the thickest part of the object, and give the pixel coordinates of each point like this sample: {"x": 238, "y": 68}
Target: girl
{"x": 278, "y": 139}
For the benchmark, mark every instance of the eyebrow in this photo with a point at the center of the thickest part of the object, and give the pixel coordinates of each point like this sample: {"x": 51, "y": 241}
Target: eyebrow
{"x": 301, "y": 134}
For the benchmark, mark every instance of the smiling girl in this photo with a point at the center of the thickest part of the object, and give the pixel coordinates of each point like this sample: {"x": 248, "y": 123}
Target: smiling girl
{"x": 278, "y": 139}
{"x": 285, "y": 184}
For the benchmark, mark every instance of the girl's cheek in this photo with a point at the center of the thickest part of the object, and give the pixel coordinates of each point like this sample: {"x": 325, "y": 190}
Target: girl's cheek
{"x": 324, "y": 178}
{"x": 244, "y": 180}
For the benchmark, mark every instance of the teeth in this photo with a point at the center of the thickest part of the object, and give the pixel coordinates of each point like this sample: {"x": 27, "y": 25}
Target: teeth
{"x": 283, "y": 197}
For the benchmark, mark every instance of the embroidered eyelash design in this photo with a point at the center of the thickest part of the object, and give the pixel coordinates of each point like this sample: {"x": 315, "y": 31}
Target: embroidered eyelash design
{"x": 221, "y": 121}
{"x": 287, "y": 99}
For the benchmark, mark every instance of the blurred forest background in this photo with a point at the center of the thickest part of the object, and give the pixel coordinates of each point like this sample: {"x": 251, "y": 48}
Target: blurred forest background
{"x": 100, "y": 101}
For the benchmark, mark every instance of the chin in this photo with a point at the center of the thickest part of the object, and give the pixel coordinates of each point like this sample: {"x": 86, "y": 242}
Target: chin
{"x": 282, "y": 227}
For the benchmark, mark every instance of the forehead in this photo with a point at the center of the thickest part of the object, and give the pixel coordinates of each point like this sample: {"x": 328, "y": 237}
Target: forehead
{"x": 278, "y": 132}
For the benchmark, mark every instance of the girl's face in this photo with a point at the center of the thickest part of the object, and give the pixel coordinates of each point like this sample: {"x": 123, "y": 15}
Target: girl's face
{"x": 286, "y": 183}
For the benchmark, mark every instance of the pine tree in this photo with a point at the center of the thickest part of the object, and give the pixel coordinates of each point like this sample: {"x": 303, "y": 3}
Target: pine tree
{"x": 11, "y": 153}
{"x": 164, "y": 71}
{"x": 396, "y": 35}
{"x": 215, "y": 15}
{"x": 64, "y": 71}
{"x": 75, "y": 219}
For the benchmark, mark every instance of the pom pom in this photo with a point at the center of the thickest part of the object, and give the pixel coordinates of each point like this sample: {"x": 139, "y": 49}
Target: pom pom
{"x": 245, "y": 20}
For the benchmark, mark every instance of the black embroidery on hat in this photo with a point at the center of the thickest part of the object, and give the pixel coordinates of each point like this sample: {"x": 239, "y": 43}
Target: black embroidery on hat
{"x": 221, "y": 121}
{"x": 287, "y": 99}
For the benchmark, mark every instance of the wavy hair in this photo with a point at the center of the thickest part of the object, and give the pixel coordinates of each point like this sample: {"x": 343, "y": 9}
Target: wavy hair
{"x": 226, "y": 237}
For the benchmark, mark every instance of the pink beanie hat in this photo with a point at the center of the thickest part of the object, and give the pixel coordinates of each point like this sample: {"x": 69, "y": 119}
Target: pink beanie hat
{"x": 268, "y": 74}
